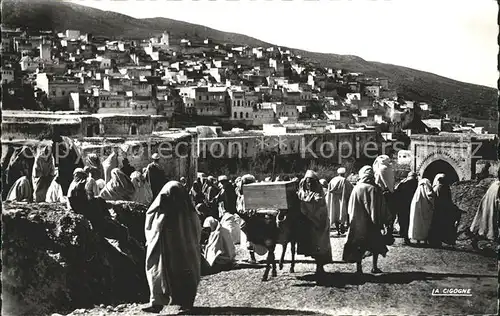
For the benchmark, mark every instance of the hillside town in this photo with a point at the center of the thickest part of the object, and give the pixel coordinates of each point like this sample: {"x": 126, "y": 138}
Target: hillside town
{"x": 142, "y": 166}
{"x": 201, "y": 82}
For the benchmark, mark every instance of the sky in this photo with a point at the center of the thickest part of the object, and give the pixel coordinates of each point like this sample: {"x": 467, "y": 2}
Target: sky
{"x": 451, "y": 38}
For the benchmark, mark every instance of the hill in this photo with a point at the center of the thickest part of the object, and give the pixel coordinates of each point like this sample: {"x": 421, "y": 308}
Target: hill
{"x": 59, "y": 15}
{"x": 469, "y": 100}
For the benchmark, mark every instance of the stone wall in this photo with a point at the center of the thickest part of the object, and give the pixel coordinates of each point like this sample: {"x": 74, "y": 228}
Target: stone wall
{"x": 27, "y": 125}
{"x": 176, "y": 163}
{"x": 56, "y": 260}
{"x": 122, "y": 125}
{"x": 160, "y": 123}
{"x": 33, "y": 130}
{"x": 326, "y": 145}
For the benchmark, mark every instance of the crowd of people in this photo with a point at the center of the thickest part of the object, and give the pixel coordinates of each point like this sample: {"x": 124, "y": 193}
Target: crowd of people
{"x": 105, "y": 179}
{"x": 193, "y": 230}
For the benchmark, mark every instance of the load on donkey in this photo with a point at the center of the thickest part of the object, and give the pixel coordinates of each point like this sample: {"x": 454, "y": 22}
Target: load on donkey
{"x": 272, "y": 215}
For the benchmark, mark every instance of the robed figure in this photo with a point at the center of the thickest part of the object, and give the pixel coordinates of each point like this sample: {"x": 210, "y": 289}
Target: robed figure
{"x": 485, "y": 223}
{"x": 338, "y": 193}
{"x": 368, "y": 216}
{"x": 109, "y": 164}
{"x": 43, "y": 173}
{"x": 21, "y": 190}
{"x": 404, "y": 194}
{"x": 219, "y": 250}
{"x": 421, "y": 211}
{"x": 445, "y": 216}
{"x": 155, "y": 176}
{"x": 118, "y": 188}
{"x": 316, "y": 227}
{"x": 173, "y": 265}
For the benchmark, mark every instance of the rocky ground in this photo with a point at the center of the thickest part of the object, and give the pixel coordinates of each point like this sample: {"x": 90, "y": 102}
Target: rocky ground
{"x": 54, "y": 261}
{"x": 405, "y": 287}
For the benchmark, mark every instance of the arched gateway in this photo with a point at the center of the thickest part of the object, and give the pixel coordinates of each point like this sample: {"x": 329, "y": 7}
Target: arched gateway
{"x": 452, "y": 154}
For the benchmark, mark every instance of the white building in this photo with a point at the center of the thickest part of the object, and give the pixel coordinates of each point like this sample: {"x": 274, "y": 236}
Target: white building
{"x": 352, "y": 97}
{"x": 165, "y": 39}
{"x": 30, "y": 64}
{"x": 72, "y": 34}
{"x": 45, "y": 52}
{"x": 7, "y": 75}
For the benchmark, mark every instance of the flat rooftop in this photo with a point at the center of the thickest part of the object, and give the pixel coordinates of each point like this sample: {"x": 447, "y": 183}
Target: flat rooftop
{"x": 65, "y": 115}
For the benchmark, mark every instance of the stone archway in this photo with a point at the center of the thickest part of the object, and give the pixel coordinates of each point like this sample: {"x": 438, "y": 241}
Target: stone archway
{"x": 440, "y": 162}
{"x": 440, "y": 166}
{"x": 460, "y": 151}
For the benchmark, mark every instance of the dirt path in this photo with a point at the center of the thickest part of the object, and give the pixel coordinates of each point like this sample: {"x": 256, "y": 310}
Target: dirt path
{"x": 405, "y": 287}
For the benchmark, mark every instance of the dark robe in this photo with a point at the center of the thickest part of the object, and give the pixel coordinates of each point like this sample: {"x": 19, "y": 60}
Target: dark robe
{"x": 14, "y": 166}
{"x": 402, "y": 197}
{"x": 67, "y": 159}
{"x": 195, "y": 194}
{"x": 94, "y": 163}
{"x": 173, "y": 257}
{"x": 156, "y": 178}
{"x": 127, "y": 170}
{"x": 368, "y": 214}
{"x": 226, "y": 200}
{"x": 444, "y": 217}
{"x": 78, "y": 199}
{"x": 315, "y": 225}
{"x": 210, "y": 194}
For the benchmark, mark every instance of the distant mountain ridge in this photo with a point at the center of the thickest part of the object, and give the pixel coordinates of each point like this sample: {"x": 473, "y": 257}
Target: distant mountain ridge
{"x": 469, "y": 100}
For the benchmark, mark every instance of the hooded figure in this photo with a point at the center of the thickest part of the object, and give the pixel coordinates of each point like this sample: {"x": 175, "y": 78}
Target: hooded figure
{"x": 55, "y": 192}
{"x": 421, "y": 211}
{"x": 210, "y": 193}
{"x": 384, "y": 174}
{"x": 126, "y": 168}
{"x": 173, "y": 257}
{"x": 183, "y": 181}
{"x": 119, "y": 187}
{"x": 78, "y": 199}
{"x": 142, "y": 190}
{"x": 368, "y": 215}
{"x": 96, "y": 169}
{"x": 316, "y": 234}
{"x": 91, "y": 185}
{"x": 445, "y": 216}
{"x": 324, "y": 185}
{"x": 485, "y": 223}
{"x": 246, "y": 179}
{"x": 155, "y": 176}
{"x": 337, "y": 199}
{"x": 43, "y": 172}
{"x": 403, "y": 195}
{"x": 16, "y": 162}
{"x": 21, "y": 190}
{"x": 384, "y": 178}
{"x": 195, "y": 193}
{"x": 219, "y": 249}
{"x": 109, "y": 164}
{"x": 226, "y": 200}
{"x": 67, "y": 157}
